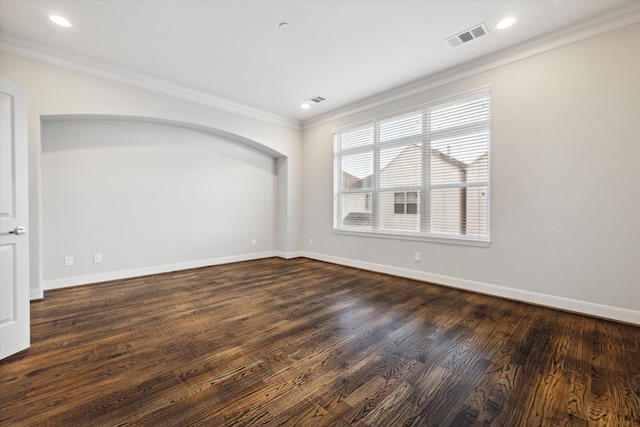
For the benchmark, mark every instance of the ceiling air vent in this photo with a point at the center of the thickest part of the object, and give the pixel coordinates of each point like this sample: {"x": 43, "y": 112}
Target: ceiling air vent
{"x": 467, "y": 36}
{"x": 306, "y": 104}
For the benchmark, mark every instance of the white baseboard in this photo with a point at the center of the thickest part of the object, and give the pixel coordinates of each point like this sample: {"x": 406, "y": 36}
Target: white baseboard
{"x": 561, "y": 303}
{"x": 290, "y": 255}
{"x": 145, "y": 271}
{"x": 567, "y": 304}
{"x": 36, "y": 294}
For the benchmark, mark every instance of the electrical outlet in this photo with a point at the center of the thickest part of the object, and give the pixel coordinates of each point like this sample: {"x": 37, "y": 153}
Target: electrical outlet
{"x": 310, "y": 242}
{"x": 254, "y": 242}
{"x": 97, "y": 258}
{"x": 416, "y": 256}
{"x": 68, "y": 261}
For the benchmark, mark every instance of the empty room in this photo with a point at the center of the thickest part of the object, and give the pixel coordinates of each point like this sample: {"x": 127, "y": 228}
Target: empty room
{"x": 320, "y": 213}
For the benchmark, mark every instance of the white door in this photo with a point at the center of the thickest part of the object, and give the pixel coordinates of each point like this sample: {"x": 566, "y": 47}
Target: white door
{"x": 14, "y": 216}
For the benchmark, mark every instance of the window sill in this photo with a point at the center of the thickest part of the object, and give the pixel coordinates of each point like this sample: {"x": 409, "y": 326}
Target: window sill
{"x": 419, "y": 238}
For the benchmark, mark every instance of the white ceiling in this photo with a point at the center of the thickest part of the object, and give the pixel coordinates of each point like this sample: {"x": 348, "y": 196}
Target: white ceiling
{"x": 344, "y": 51}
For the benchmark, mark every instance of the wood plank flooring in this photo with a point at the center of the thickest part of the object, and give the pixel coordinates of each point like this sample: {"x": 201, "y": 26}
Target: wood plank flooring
{"x": 300, "y": 342}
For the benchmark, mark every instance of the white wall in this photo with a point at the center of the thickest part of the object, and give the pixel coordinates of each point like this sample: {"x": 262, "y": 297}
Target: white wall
{"x": 565, "y": 195}
{"x": 55, "y": 91}
{"x": 147, "y": 195}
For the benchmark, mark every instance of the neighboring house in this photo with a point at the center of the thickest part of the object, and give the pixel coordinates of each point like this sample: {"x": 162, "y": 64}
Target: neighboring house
{"x": 400, "y": 210}
{"x": 459, "y": 211}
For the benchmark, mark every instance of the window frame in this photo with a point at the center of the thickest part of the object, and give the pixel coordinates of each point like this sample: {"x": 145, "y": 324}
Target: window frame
{"x": 405, "y": 203}
{"x": 425, "y": 189}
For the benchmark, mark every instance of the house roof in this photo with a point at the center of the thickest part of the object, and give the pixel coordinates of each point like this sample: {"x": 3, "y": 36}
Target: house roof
{"x": 353, "y": 182}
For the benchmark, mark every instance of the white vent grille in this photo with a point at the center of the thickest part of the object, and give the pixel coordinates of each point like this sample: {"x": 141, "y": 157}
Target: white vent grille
{"x": 467, "y": 36}
{"x": 317, "y": 99}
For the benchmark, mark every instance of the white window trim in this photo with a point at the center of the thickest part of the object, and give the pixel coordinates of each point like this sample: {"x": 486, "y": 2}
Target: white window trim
{"x": 454, "y": 240}
{"x": 479, "y": 241}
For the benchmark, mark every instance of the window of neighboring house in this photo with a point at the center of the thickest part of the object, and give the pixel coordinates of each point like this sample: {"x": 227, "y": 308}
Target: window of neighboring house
{"x": 405, "y": 203}
{"x": 423, "y": 173}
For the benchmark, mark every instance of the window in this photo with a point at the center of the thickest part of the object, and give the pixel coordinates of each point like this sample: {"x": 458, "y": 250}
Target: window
{"x": 423, "y": 173}
{"x": 405, "y": 203}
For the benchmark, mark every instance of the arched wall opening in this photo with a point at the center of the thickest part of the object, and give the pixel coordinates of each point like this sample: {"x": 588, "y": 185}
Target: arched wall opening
{"x": 149, "y": 196}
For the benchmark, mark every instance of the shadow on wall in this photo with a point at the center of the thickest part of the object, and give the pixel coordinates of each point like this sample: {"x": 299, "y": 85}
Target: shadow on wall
{"x": 105, "y": 120}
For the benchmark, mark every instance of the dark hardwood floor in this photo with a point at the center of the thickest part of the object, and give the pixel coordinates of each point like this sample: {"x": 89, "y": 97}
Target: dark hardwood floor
{"x": 301, "y": 342}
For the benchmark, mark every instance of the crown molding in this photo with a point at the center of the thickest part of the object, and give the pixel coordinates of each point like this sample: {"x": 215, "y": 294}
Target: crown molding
{"x": 623, "y": 16}
{"x": 618, "y": 18}
{"x": 140, "y": 80}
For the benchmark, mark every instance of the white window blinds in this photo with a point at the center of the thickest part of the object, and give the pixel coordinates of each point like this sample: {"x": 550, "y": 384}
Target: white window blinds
{"x": 423, "y": 173}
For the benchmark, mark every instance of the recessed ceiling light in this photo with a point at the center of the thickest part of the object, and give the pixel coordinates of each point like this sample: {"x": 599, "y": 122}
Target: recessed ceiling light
{"x": 305, "y": 106}
{"x": 284, "y": 26}
{"x": 63, "y": 22}
{"x": 506, "y": 23}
